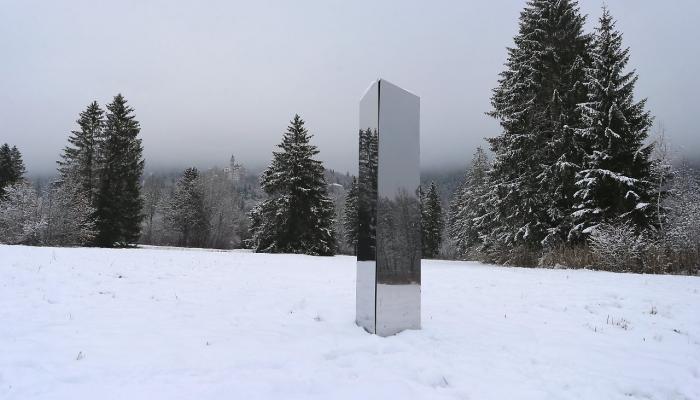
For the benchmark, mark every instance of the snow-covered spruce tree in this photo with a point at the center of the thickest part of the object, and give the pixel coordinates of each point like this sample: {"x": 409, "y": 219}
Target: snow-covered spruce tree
{"x": 79, "y": 158}
{"x": 432, "y": 222}
{"x": 350, "y": 215}
{"x": 467, "y": 221}
{"x": 68, "y": 212}
{"x": 20, "y": 217}
{"x": 615, "y": 181}
{"x": 298, "y": 215}
{"x": 119, "y": 202}
{"x": 536, "y": 103}
{"x": 185, "y": 212}
{"x": 11, "y": 166}
{"x": 5, "y": 167}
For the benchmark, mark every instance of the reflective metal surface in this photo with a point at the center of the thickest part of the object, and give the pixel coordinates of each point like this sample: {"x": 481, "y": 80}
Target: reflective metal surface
{"x": 367, "y": 210}
{"x": 389, "y": 243}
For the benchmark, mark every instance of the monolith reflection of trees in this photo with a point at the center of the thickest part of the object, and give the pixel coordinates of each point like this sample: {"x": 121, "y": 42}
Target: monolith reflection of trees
{"x": 398, "y": 237}
{"x": 367, "y": 195}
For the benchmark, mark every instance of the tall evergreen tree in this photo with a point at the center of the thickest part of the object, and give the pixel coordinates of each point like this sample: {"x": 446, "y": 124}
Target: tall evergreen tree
{"x": 616, "y": 178}
{"x": 11, "y": 166}
{"x": 79, "y": 158}
{"x": 432, "y": 223}
{"x": 6, "y": 172}
{"x": 119, "y": 202}
{"x": 350, "y": 217}
{"x": 5, "y": 164}
{"x": 466, "y": 222}
{"x": 536, "y": 100}
{"x": 18, "y": 169}
{"x": 298, "y": 215}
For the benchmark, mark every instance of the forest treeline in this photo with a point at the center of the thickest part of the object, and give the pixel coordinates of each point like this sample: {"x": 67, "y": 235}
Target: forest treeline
{"x": 572, "y": 180}
{"x": 96, "y": 198}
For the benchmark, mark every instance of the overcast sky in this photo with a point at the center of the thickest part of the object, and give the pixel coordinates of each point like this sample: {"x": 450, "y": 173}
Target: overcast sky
{"x": 213, "y": 78}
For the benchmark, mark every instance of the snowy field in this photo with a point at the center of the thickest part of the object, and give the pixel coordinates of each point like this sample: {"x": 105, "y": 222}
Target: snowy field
{"x": 194, "y": 324}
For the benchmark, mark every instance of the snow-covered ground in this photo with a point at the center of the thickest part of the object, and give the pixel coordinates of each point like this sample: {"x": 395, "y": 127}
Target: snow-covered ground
{"x": 172, "y": 324}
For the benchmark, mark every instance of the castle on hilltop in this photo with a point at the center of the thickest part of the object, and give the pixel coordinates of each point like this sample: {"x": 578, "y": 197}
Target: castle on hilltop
{"x": 235, "y": 171}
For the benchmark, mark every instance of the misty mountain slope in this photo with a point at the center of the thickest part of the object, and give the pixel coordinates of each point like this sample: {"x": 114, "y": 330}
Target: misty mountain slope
{"x": 183, "y": 324}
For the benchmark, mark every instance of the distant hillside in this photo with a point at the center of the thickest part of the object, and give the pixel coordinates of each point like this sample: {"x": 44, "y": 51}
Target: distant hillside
{"x": 447, "y": 180}
{"x": 341, "y": 178}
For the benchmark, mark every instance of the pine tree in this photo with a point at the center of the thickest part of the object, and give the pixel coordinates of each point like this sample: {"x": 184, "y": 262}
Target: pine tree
{"x": 11, "y": 166}
{"x": 5, "y": 158}
{"x": 350, "y": 215}
{"x": 432, "y": 222}
{"x": 17, "y": 163}
{"x": 298, "y": 215}
{"x": 467, "y": 222}
{"x": 119, "y": 202}
{"x": 5, "y": 168}
{"x": 615, "y": 181}
{"x": 79, "y": 158}
{"x": 536, "y": 100}
{"x": 186, "y": 212}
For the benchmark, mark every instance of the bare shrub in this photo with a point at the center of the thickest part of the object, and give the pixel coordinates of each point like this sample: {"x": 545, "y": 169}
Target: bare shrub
{"x": 20, "y": 217}
{"x": 616, "y": 247}
{"x": 569, "y": 256}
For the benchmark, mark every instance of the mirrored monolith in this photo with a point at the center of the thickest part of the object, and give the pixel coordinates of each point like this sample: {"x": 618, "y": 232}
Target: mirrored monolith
{"x": 389, "y": 237}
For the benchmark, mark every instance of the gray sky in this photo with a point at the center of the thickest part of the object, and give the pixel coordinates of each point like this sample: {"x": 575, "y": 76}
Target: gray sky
{"x": 210, "y": 79}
